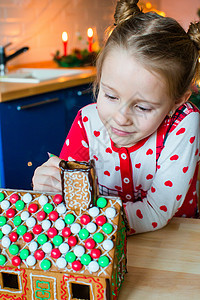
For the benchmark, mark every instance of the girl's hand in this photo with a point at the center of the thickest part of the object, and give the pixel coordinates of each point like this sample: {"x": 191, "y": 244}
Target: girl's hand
{"x": 46, "y": 178}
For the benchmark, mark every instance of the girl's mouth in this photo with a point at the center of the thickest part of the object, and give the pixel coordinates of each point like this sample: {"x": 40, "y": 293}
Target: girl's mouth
{"x": 120, "y": 132}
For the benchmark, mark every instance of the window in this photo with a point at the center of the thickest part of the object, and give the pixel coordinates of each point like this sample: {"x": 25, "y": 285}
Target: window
{"x": 10, "y": 280}
{"x": 80, "y": 291}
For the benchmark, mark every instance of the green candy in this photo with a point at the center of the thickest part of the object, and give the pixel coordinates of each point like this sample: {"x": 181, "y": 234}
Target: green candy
{"x": 13, "y": 249}
{"x": 107, "y": 228}
{"x": 101, "y": 202}
{"x": 17, "y": 220}
{"x": 19, "y": 205}
{"x": 83, "y": 234}
{"x": 70, "y": 257}
{"x": 45, "y": 265}
{"x": 2, "y": 220}
{"x": 69, "y": 219}
{"x": 85, "y": 259}
{"x": 48, "y": 207}
{"x": 103, "y": 261}
{"x": 42, "y": 239}
{"x": 24, "y": 254}
{"x": 2, "y": 259}
{"x": 21, "y": 230}
{"x": 98, "y": 237}
{"x": 1, "y": 234}
{"x": 57, "y": 240}
{"x": 2, "y": 196}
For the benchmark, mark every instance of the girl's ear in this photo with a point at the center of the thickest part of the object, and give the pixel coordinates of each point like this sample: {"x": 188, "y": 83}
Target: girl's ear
{"x": 183, "y": 99}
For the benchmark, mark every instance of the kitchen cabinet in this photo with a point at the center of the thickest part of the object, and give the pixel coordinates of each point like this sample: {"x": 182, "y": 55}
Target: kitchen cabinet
{"x": 32, "y": 126}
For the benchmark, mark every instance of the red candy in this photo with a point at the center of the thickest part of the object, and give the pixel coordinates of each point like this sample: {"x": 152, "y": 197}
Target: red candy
{"x": 16, "y": 261}
{"x": 57, "y": 199}
{"x": 14, "y": 198}
{"x": 100, "y": 220}
{"x": 10, "y": 213}
{"x": 66, "y": 231}
{"x": 53, "y": 216}
{"x": 89, "y": 244}
{"x": 95, "y": 253}
{"x": 32, "y": 208}
{"x": 85, "y": 219}
{"x": 27, "y": 237}
{"x": 51, "y": 232}
{"x": 39, "y": 254}
{"x": 55, "y": 253}
{"x": 13, "y": 236}
{"x": 72, "y": 241}
{"x": 76, "y": 265}
{"x": 41, "y": 215}
{"x": 37, "y": 229}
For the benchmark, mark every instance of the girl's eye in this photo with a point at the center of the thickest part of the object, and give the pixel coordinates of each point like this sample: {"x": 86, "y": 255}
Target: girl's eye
{"x": 110, "y": 97}
{"x": 143, "y": 109}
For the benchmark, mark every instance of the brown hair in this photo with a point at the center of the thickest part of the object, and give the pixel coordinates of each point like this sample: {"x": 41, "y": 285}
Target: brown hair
{"x": 159, "y": 43}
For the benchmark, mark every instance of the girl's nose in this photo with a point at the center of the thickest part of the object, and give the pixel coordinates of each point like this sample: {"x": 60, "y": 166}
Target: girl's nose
{"x": 123, "y": 116}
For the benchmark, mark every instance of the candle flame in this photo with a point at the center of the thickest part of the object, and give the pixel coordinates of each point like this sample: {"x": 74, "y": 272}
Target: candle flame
{"x": 90, "y": 32}
{"x": 64, "y": 36}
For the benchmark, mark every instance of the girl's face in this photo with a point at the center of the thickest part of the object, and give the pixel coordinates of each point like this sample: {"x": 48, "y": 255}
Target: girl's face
{"x": 132, "y": 102}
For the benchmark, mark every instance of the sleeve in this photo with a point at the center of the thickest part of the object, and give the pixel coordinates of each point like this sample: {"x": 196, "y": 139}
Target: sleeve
{"x": 76, "y": 144}
{"x": 176, "y": 168}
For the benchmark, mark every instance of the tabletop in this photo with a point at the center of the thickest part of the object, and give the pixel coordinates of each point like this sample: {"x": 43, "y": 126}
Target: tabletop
{"x": 164, "y": 264}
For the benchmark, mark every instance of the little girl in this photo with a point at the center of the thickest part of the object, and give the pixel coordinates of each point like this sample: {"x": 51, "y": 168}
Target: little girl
{"x": 142, "y": 132}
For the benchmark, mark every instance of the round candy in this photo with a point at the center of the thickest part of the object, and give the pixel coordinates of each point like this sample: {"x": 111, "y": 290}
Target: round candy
{"x": 10, "y": 213}
{"x": 59, "y": 224}
{"x": 85, "y": 259}
{"x": 41, "y": 215}
{"x": 14, "y": 198}
{"x": 2, "y": 196}
{"x": 69, "y": 219}
{"x": 83, "y": 234}
{"x": 94, "y": 211}
{"x": 2, "y": 260}
{"x": 17, "y": 220}
{"x": 57, "y": 199}
{"x": 6, "y": 229}
{"x": 46, "y": 224}
{"x": 48, "y": 207}
{"x": 27, "y": 198}
{"x": 100, "y": 220}
{"x": 16, "y": 261}
{"x": 79, "y": 250}
{"x": 61, "y": 209}
{"x": 19, "y": 205}
{"x": 43, "y": 200}
{"x": 103, "y": 261}
{"x": 5, "y": 242}
{"x": 53, "y": 215}
{"x": 47, "y": 247}
{"x": 5, "y": 204}
{"x": 27, "y": 237}
{"x": 70, "y": 257}
{"x": 95, "y": 253}
{"x": 101, "y": 202}
{"x": 30, "y": 222}
{"x": 33, "y": 246}
{"x": 39, "y": 254}
{"x": 75, "y": 228}
{"x": 1, "y": 234}
{"x": 72, "y": 241}
{"x": 66, "y": 231}
{"x": 31, "y": 261}
{"x": 76, "y": 265}
{"x": 61, "y": 263}
{"x": 25, "y": 215}
{"x": 24, "y": 254}
{"x": 13, "y": 236}
{"x": 2, "y": 220}
{"x": 52, "y": 232}
{"x": 13, "y": 249}
{"x": 107, "y": 228}
{"x": 45, "y": 265}
{"x": 21, "y": 229}
{"x": 57, "y": 240}
{"x": 110, "y": 212}
{"x": 64, "y": 248}
{"x": 37, "y": 229}
{"x": 33, "y": 207}
{"x": 85, "y": 219}
{"x": 42, "y": 238}
{"x": 55, "y": 253}
{"x": 108, "y": 245}
{"x": 93, "y": 266}
{"x": 98, "y": 237}
{"x": 89, "y": 244}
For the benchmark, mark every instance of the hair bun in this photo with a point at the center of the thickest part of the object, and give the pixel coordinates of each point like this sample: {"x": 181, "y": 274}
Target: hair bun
{"x": 126, "y": 9}
{"x": 194, "y": 33}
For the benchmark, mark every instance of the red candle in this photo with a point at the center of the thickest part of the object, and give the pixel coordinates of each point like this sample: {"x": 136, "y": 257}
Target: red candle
{"x": 90, "y": 39}
{"x": 65, "y": 41}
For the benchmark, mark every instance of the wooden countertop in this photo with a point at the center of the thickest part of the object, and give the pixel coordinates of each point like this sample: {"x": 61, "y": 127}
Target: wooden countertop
{"x": 164, "y": 264}
{"x": 11, "y": 91}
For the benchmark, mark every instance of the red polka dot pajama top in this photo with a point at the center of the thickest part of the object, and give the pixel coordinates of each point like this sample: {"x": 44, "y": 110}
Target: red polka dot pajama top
{"x": 156, "y": 178}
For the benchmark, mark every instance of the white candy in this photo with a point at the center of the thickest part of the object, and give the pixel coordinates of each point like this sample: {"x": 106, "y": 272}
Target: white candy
{"x": 6, "y": 229}
{"x": 33, "y": 246}
{"x": 110, "y": 212}
{"x": 25, "y": 215}
{"x": 30, "y": 222}
{"x": 64, "y": 248}
{"x": 108, "y": 245}
{"x": 5, "y": 204}
{"x": 46, "y": 224}
{"x": 93, "y": 266}
{"x": 61, "y": 208}
{"x": 5, "y": 242}
{"x": 43, "y": 200}
{"x": 47, "y": 247}
{"x": 79, "y": 250}
{"x": 27, "y": 198}
{"x": 94, "y": 211}
{"x": 75, "y": 228}
{"x": 61, "y": 262}
{"x": 59, "y": 224}
{"x": 31, "y": 261}
{"x": 91, "y": 227}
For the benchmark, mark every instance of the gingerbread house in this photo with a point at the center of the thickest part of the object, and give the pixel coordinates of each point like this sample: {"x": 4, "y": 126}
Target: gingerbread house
{"x": 56, "y": 247}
